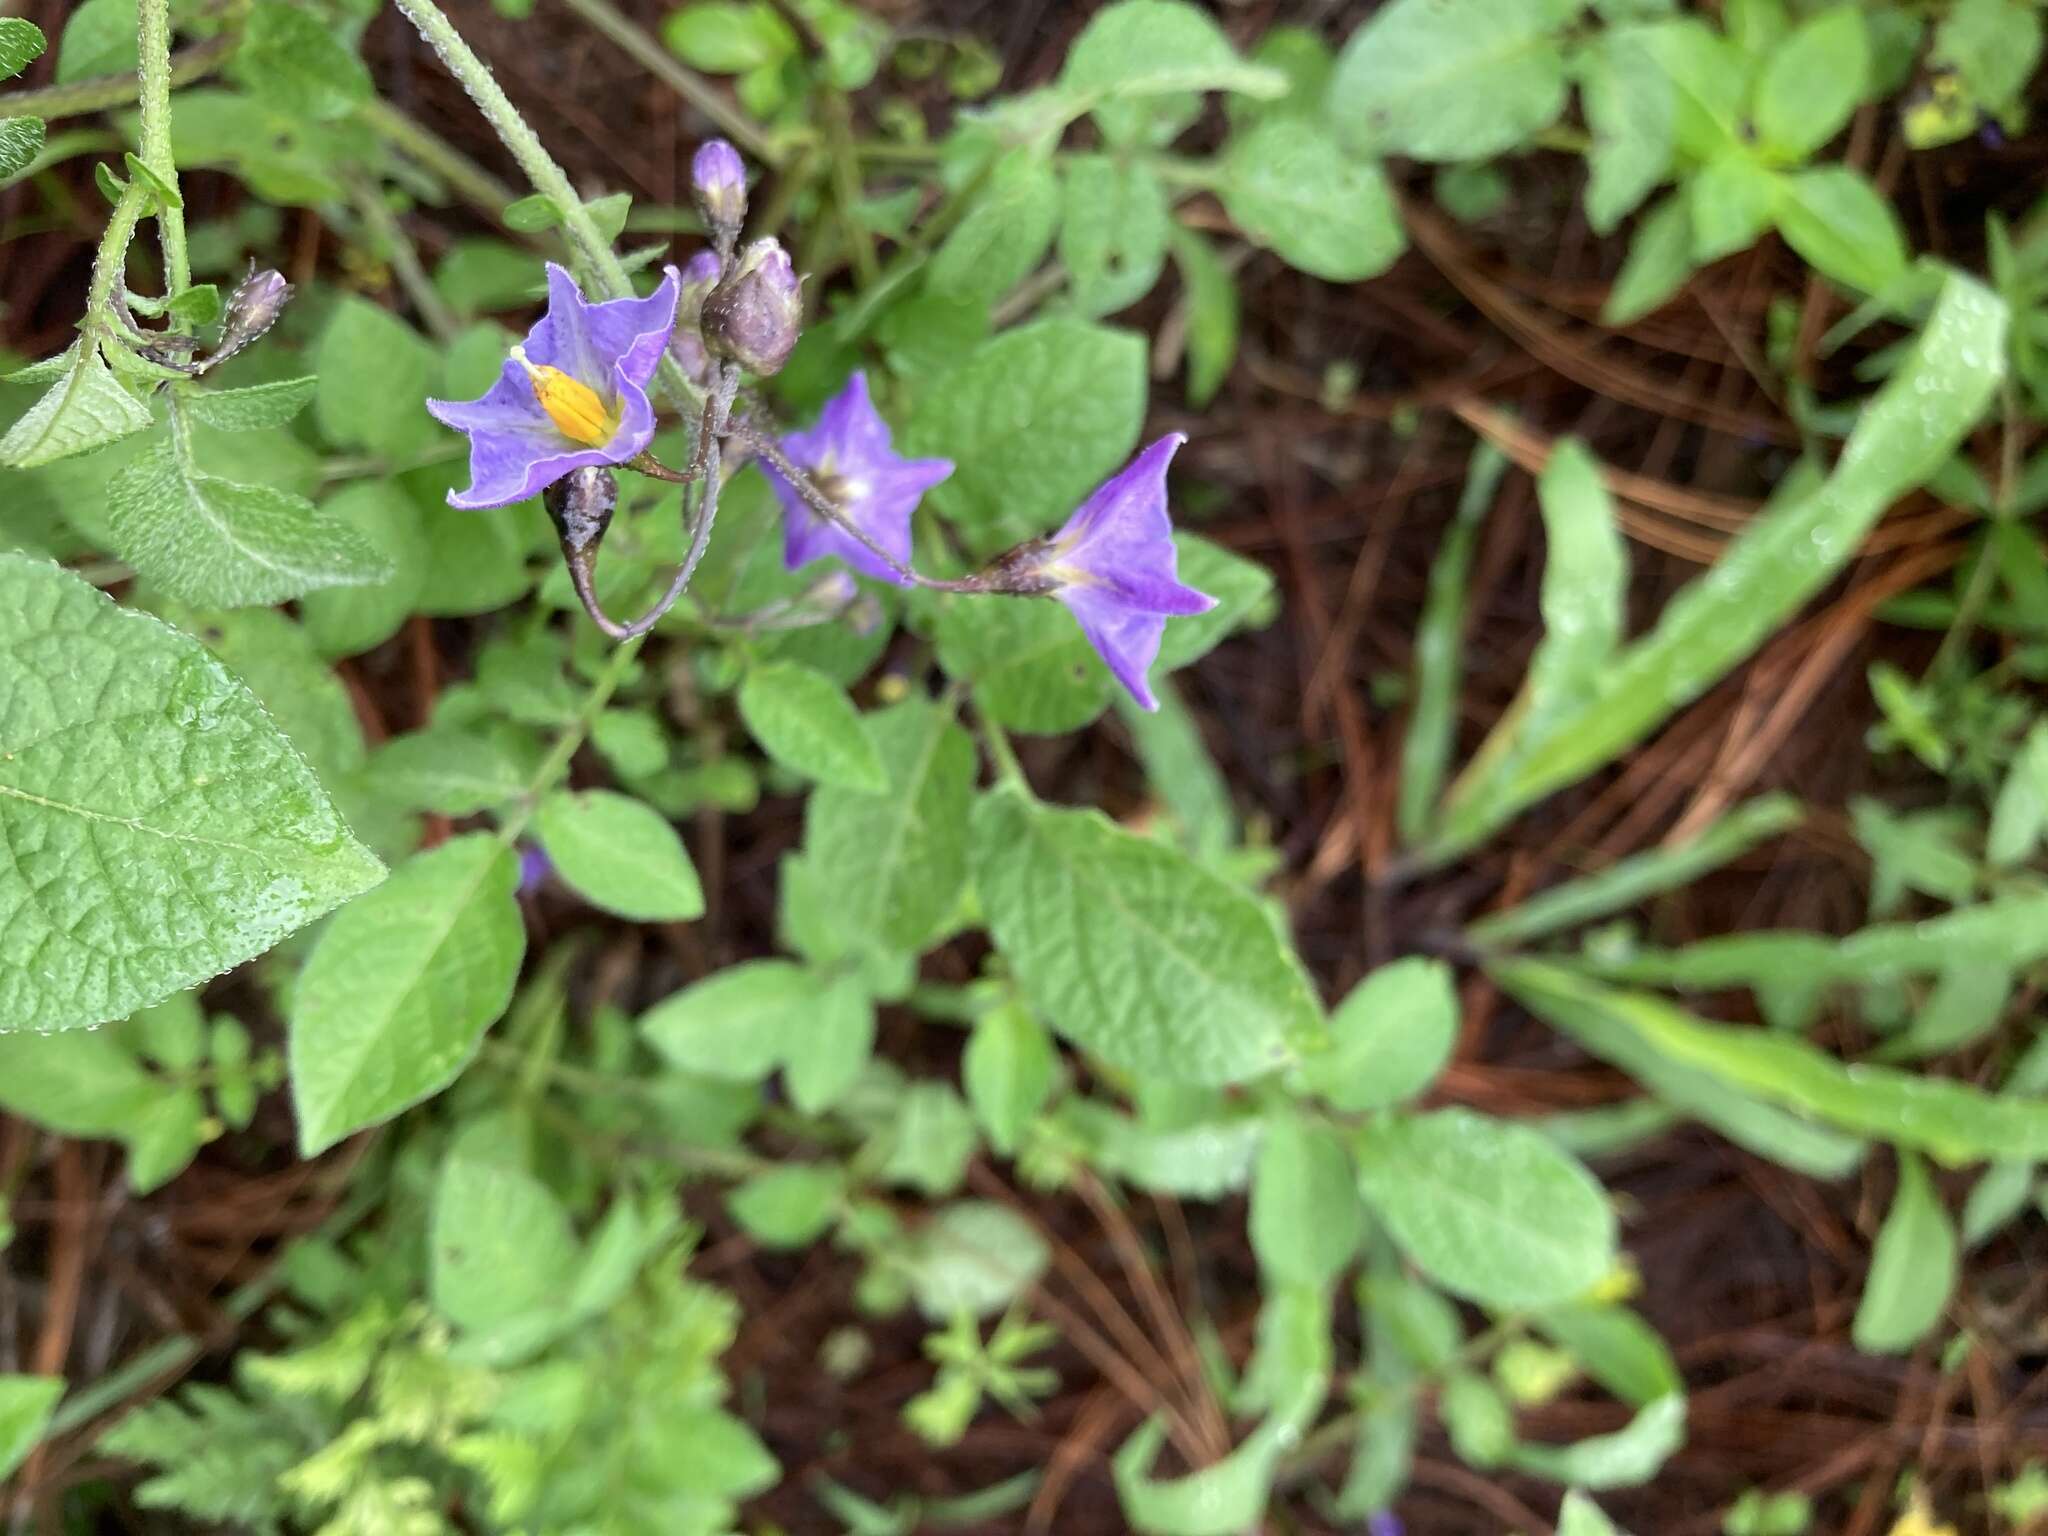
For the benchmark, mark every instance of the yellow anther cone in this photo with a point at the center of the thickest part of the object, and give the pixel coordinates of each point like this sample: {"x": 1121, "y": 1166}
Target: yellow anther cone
{"x": 572, "y": 405}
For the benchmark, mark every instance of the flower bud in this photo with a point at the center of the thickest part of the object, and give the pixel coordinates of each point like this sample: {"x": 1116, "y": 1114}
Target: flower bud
{"x": 754, "y": 316}
{"x": 719, "y": 178}
{"x": 700, "y": 276}
{"x": 253, "y": 308}
{"x": 581, "y": 504}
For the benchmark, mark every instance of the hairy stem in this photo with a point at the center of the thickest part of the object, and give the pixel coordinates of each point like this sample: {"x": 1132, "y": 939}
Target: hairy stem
{"x": 153, "y": 34}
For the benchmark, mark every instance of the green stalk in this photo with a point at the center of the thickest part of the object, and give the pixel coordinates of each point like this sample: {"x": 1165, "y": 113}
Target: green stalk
{"x": 111, "y": 257}
{"x": 102, "y": 93}
{"x": 593, "y": 254}
{"x": 154, "y": 36}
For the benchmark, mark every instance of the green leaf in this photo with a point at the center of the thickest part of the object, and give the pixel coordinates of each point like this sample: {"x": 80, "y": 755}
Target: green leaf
{"x": 1438, "y": 82}
{"x": 1222, "y": 1499}
{"x": 1626, "y": 1458}
{"x": 736, "y": 1025}
{"x": 1035, "y": 419}
{"x": 200, "y": 304}
{"x": 1004, "y": 235}
{"x": 805, "y": 721}
{"x": 1580, "y": 1516}
{"x": 1585, "y": 579}
{"x": 26, "y": 1403}
{"x": 931, "y": 1138}
{"x": 1306, "y": 1220}
{"x": 1616, "y": 1348}
{"x": 1837, "y": 221}
{"x": 499, "y": 1242}
{"x": 1241, "y": 587}
{"x": 1631, "y": 106}
{"x": 791, "y": 1206}
{"x": 729, "y": 39}
{"x": 1950, "y": 1121}
{"x": 454, "y": 772}
{"x": 1212, "y": 308}
{"x": 1031, "y": 667}
{"x": 1008, "y": 1070}
{"x": 832, "y": 1049}
{"x": 346, "y": 621}
{"x": 1595, "y": 1018}
{"x": 904, "y": 850}
{"x": 974, "y": 1257}
{"x": 1431, "y": 736}
{"x": 295, "y": 60}
{"x": 85, "y": 1083}
{"x": 1658, "y": 263}
{"x": 398, "y": 992}
{"x": 217, "y": 544}
{"x": 84, "y": 409}
{"x": 1988, "y": 50}
{"x": 1628, "y": 881}
{"x": 1779, "y": 560}
{"x": 164, "y": 831}
{"x": 1390, "y": 1038}
{"x": 21, "y": 44}
{"x": 1912, "y": 1267}
{"x": 1114, "y": 223}
{"x": 1141, "y": 48}
{"x": 253, "y": 409}
{"x": 621, "y": 855}
{"x": 374, "y": 371}
{"x": 1730, "y": 201}
{"x": 1492, "y": 1211}
{"x": 1812, "y": 82}
{"x": 1291, "y": 187}
{"x": 1134, "y": 951}
{"x": 2020, "y": 813}
{"x": 98, "y": 39}
{"x": 21, "y": 140}
{"x": 162, "y": 194}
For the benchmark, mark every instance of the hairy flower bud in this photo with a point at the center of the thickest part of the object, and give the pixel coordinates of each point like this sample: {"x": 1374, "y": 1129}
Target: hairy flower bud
{"x": 253, "y": 308}
{"x": 719, "y": 178}
{"x": 754, "y": 316}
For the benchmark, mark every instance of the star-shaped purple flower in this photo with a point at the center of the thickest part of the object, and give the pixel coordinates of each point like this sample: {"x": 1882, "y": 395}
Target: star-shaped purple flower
{"x": 574, "y": 393}
{"x": 1114, "y": 565}
{"x": 850, "y": 459}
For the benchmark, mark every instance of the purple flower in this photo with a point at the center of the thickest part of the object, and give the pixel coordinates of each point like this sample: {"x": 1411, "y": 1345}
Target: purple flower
{"x": 719, "y": 178}
{"x": 700, "y": 276}
{"x": 1114, "y": 565}
{"x": 1383, "y": 1522}
{"x": 850, "y": 459}
{"x": 574, "y": 393}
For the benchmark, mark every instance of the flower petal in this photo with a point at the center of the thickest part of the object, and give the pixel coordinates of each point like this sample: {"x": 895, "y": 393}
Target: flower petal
{"x": 1126, "y": 639}
{"x": 587, "y": 341}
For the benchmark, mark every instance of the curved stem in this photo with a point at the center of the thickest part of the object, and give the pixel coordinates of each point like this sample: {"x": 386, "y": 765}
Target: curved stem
{"x": 76, "y": 98}
{"x": 830, "y": 510}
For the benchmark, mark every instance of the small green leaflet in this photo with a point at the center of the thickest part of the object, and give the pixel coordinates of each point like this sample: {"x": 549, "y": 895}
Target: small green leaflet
{"x": 218, "y": 544}
{"x": 805, "y": 721}
{"x": 1134, "y": 951}
{"x": 26, "y": 1403}
{"x": 162, "y": 830}
{"x": 1912, "y": 1267}
{"x": 1389, "y": 1038}
{"x": 1293, "y": 188}
{"x": 1306, "y": 1218}
{"x": 21, "y": 140}
{"x": 621, "y": 855}
{"x": 1149, "y": 48}
{"x": 736, "y": 1024}
{"x": 1492, "y": 1211}
{"x": 398, "y": 992}
{"x": 21, "y": 44}
{"x": 86, "y": 408}
{"x": 252, "y": 409}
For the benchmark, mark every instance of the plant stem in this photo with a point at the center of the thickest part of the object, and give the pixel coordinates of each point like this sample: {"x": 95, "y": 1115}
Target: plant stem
{"x": 76, "y": 98}
{"x": 153, "y": 34}
{"x": 600, "y": 265}
{"x": 660, "y": 63}
{"x": 405, "y": 261}
{"x": 110, "y": 259}
{"x": 556, "y": 764}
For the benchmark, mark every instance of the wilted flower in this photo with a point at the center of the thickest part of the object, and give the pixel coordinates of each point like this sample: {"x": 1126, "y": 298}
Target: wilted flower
{"x": 754, "y": 315}
{"x": 573, "y": 394}
{"x": 1114, "y": 565}
{"x": 851, "y": 461}
{"x": 719, "y": 178}
{"x": 580, "y": 505}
